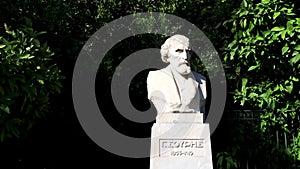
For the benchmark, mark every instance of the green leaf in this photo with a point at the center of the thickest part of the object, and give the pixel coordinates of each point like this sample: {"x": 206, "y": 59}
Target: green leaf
{"x": 232, "y": 43}
{"x": 245, "y": 3}
{"x": 28, "y": 22}
{"x": 220, "y": 160}
{"x": 297, "y": 47}
{"x": 253, "y": 67}
{"x": 286, "y": 82}
{"x": 298, "y": 21}
{"x": 232, "y": 54}
{"x": 15, "y": 131}
{"x": 245, "y": 23}
{"x": 25, "y": 56}
{"x": 283, "y": 33}
{"x": 37, "y": 43}
{"x": 277, "y": 28}
{"x": 251, "y": 26}
{"x": 295, "y": 59}
{"x": 30, "y": 57}
{"x": 5, "y": 109}
{"x": 251, "y": 95}
{"x": 290, "y": 88}
{"x": 245, "y": 12}
{"x": 284, "y": 49}
{"x": 259, "y": 37}
{"x": 294, "y": 79}
{"x": 265, "y": 1}
{"x": 41, "y": 81}
{"x": 289, "y": 25}
{"x": 254, "y": 21}
{"x": 276, "y": 14}
{"x": 244, "y": 83}
{"x": 273, "y": 104}
{"x": 2, "y": 46}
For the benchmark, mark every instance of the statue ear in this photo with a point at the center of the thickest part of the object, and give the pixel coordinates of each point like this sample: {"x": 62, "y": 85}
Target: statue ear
{"x": 168, "y": 59}
{"x": 165, "y": 46}
{"x": 164, "y": 58}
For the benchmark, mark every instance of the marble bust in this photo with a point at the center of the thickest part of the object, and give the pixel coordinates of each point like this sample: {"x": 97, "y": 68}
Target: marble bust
{"x": 175, "y": 88}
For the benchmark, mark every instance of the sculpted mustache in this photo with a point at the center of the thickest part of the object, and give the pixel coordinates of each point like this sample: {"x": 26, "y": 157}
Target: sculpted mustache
{"x": 184, "y": 63}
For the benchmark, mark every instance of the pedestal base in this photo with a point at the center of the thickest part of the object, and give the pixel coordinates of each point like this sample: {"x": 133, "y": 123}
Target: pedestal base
{"x": 180, "y": 141}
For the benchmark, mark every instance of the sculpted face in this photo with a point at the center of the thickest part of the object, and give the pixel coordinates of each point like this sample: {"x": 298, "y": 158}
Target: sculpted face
{"x": 179, "y": 58}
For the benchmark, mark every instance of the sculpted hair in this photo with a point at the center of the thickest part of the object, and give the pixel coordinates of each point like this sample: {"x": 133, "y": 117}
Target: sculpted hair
{"x": 164, "y": 50}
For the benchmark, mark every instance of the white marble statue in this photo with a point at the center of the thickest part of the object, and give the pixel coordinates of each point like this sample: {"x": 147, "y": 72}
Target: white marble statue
{"x": 175, "y": 88}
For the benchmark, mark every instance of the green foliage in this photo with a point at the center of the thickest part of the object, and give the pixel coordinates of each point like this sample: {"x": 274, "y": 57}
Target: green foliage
{"x": 259, "y": 42}
{"x": 27, "y": 79}
{"x": 295, "y": 147}
{"x": 226, "y": 160}
{"x": 240, "y": 136}
{"x": 265, "y": 54}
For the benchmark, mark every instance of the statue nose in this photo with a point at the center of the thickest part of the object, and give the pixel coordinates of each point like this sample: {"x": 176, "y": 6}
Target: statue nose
{"x": 184, "y": 55}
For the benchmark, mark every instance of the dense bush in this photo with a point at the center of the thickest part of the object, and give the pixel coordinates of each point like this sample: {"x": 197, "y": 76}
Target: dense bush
{"x": 265, "y": 56}
{"x": 257, "y": 40}
{"x": 27, "y": 79}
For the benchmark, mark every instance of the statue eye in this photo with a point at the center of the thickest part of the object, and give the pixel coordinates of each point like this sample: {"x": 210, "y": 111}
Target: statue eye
{"x": 188, "y": 51}
{"x": 179, "y": 50}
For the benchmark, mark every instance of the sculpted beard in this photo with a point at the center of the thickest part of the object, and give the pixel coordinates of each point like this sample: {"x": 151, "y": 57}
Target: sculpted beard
{"x": 180, "y": 65}
{"x": 183, "y": 68}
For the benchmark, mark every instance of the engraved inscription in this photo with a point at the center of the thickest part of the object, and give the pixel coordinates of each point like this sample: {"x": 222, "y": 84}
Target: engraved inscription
{"x": 180, "y": 147}
{"x": 182, "y": 153}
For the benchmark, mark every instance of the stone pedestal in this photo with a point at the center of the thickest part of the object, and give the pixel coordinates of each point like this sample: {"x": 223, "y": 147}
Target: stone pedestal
{"x": 180, "y": 141}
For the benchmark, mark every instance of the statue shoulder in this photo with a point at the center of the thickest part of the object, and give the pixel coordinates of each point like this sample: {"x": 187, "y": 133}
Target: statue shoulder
{"x": 199, "y": 77}
{"x": 158, "y": 74}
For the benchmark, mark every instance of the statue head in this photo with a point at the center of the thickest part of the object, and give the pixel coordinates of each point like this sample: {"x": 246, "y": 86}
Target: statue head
{"x": 175, "y": 51}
